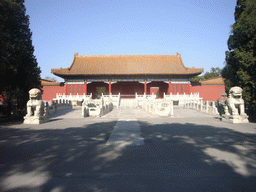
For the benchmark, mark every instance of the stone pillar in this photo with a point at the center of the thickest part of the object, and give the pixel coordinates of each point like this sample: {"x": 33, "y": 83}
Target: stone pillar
{"x": 201, "y": 105}
{"x": 46, "y": 110}
{"x": 197, "y": 106}
{"x": 85, "y": 88}
{"x": 207, "y": 107}
{"x": 171, "y": 112}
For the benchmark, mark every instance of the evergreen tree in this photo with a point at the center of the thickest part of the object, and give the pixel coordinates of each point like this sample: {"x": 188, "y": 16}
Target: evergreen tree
{"x": 240, "y": 69}
{"x": 19, "y": 71}
{"x": 214, "y": 72}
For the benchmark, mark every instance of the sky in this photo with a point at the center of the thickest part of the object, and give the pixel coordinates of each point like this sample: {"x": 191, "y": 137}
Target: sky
{"x": 197, "y": 29}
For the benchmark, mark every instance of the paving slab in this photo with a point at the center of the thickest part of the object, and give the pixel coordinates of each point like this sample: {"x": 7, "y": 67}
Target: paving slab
{"x": 190, "y": 152}
{"x": 126, "y": 133}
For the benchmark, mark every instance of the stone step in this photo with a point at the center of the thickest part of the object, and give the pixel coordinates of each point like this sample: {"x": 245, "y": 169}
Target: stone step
{"x": 128, "y": 103}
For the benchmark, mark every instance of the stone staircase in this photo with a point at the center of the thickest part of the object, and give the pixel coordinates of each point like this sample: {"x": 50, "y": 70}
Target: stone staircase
{"x": 128, "y": 103}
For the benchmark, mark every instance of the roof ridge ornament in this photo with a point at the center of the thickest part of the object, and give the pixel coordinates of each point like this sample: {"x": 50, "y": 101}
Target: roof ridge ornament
{"x": 178, "y": 54}
{"x": 75, "y": 54}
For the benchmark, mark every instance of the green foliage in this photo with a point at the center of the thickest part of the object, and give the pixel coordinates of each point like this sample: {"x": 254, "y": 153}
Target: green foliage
{"x": 197, "y": 78}
{"x": 50, "y": 78}
{"x": 157, "y": 94}
{"x": 240, "y": 69}
{"x": 215, "y": 72}
{"x": 100, "y": 90}
{"x": 19, "y": 71}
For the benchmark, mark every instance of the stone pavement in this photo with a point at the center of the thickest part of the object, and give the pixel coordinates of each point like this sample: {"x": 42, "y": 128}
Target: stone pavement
{"x": 190, "y": 152}
{"x": 126, "y": 133}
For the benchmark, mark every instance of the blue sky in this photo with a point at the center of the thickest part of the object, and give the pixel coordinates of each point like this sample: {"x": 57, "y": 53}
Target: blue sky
{"x": 198, "y": 29}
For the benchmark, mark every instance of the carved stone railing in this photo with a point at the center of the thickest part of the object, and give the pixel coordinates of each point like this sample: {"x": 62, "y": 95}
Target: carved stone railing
{"x": 181, "y": 98}
{"x": 161, "y": 107}
{"x": 54, "y": 106}
{"x": 114, "y": 98}
{"x": 73, "y": 98}
{"x": 97, "y": 107}
{"x": 140, "y": 99}
{"x": 208, "y": 107}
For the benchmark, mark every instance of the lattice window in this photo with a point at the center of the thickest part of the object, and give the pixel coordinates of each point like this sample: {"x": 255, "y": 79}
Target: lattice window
{"x": 182, "y": 89}
{"x": 82, "y": 89}
{"x": 69, "y": 89}
{"x": 186, "y": 89}
{"x": 177, "y": 89}
{"x": 73, "y": 89}
{"x": 78, "y": 89}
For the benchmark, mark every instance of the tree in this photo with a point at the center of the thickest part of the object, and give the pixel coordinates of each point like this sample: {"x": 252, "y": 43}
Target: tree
{"x": 19, "y": 71}
{"x": 50, "y": 78}
{"x": 215, "y": 72}
{"x": 240, "y": 68}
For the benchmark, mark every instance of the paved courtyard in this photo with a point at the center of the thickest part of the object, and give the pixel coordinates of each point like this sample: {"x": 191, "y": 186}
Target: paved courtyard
{"x": 128, "y": 150}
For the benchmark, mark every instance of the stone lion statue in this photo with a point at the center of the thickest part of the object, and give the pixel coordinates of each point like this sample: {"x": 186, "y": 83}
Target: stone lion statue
{"x": 35, "y": 108}
{"x": 234, "y": 109}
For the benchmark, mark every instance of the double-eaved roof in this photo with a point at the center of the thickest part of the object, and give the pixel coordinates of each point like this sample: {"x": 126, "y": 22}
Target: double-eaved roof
{"x": 126, "y": 65}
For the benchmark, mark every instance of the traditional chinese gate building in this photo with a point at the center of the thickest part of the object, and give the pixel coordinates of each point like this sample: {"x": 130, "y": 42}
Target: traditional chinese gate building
{"x": 127, "y": 75}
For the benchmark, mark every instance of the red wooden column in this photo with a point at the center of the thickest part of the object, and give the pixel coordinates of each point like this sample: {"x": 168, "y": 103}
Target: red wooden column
{"x": 145, "y": 88}
{"x": 85, "y": 88}
{"x": 109, "y": 87}
{"x": 170, "y": 88}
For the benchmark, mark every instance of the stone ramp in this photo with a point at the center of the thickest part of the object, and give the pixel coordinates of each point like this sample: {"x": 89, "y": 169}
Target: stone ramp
{"x": 128, "y": 103}
{"x": 126, "y": 133}
{"x": 127, "y": 113}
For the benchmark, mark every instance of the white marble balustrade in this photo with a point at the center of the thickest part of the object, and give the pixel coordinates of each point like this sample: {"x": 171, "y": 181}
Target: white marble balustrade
{"x": 208, "y": 107}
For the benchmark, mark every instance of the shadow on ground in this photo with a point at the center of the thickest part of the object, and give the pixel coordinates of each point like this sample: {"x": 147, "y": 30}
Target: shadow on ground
{"x": 174, "y": 157}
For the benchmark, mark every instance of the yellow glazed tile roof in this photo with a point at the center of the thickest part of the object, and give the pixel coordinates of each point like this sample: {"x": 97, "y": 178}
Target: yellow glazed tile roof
{"x": 213, "y": 81}
{"x": 45, "y": 82}
{"x": 127, "y": 65}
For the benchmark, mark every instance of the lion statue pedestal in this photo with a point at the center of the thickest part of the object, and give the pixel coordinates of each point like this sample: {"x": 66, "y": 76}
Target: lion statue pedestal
{"x": 35, "y": 108}
{"x": 234, "y": 109}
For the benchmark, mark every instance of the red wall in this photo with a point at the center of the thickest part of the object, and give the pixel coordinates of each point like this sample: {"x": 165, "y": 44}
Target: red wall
{"x": 163, "y": 88}
{"x": 209, "y": 92}
{"x": 49, "y": 92}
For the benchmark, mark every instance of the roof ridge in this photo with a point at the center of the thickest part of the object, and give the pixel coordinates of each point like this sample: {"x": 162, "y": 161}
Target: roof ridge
{"x": 212, "y": 78}
{"x": 120, "y": 55}
{"x": 178, "y": 55}
{"x": 73, "y": 62}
